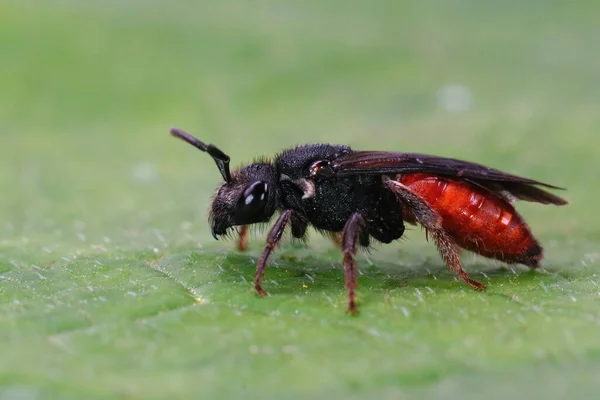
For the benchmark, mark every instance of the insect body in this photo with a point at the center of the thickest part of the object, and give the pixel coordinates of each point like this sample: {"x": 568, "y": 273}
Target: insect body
{"x": 476, "y": 219}
{"x": 360, "y": 196}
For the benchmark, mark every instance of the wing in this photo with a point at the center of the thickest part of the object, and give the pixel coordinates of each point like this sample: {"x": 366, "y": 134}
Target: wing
{"x": 500, "y": 183}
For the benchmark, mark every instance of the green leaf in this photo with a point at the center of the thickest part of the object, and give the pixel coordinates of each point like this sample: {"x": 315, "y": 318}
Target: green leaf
{"x": 112, "y": 287}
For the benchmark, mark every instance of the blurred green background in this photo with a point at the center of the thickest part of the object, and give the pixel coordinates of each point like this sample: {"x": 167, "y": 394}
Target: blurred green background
{"x": 111, "y": 286}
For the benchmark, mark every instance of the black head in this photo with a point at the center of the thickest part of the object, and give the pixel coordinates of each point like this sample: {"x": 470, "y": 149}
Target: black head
{"x": 248, "y": 196}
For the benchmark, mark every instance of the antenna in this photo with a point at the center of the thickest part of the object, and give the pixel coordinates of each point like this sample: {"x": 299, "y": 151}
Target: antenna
{"x": 221, "y": 159}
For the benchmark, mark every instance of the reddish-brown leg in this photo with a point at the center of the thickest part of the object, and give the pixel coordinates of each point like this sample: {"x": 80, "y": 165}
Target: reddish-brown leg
{"x": 421, "y": 211}
{"x": 243, "y": 238}
{"x": 336, "y": 238}
{"x": 349, "y": 248}
{"x": 448, "y": 250}
{"x": 273, "y": 239}
{"x": 432, "y": 222}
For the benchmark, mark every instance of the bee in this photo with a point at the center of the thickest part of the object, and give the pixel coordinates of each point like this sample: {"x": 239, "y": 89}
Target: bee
{"x": 364, "y": 196}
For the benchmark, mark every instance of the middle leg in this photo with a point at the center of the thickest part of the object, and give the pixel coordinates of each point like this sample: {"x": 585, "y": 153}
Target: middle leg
{"x": 350, "y": 238}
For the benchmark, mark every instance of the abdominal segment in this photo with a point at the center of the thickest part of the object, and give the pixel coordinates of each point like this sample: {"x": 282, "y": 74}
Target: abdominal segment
{"x": 476, "y": 219}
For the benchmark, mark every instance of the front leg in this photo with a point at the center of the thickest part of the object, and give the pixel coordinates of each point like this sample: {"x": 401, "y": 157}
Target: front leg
{"x": 349, "y": 243}
{"x": 432, "y": 222}
{"x": 243, "y": 238}
{"x": 273, "y": 239}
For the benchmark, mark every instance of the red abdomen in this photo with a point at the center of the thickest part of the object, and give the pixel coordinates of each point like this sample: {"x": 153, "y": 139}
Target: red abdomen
{"x": 476, "y": 219}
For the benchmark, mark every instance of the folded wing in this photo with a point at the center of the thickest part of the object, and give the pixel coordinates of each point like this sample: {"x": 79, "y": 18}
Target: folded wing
{"x": 500, "y": 183}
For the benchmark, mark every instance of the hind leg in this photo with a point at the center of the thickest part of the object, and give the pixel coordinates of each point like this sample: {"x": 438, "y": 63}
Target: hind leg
{"x": 432, "y": 222}
{"x": 448, "y": 250}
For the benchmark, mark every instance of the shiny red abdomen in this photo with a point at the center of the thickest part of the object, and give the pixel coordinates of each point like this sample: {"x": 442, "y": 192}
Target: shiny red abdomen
{"x": 477, "y": 219}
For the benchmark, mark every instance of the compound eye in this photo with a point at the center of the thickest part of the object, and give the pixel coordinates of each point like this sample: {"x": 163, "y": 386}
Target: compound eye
{"x": 252, "y": 203}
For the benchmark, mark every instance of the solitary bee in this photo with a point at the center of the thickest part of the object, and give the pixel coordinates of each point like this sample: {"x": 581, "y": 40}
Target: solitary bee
{"x": 359, "y": 196}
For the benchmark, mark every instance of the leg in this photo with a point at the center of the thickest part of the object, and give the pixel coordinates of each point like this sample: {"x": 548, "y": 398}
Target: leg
{"x": 447, "y": 249}
{"x": 432, "y": 222}
{"x": 350, "y": 238}
{"x": 424, "y": 214}
{"x": 272, "y": 240}
{"x": 336, "y": 239}
{"x": 243, "y": 239}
